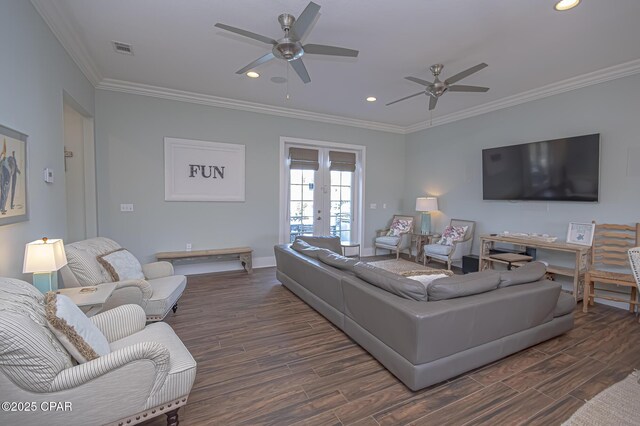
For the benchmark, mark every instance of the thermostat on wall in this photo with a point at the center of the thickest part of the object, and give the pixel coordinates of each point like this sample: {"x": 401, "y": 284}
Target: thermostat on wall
{"x": 48, "y": 175}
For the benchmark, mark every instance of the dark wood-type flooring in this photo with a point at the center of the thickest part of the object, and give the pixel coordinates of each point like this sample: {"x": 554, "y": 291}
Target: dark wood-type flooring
{"x": 265, "y": 357}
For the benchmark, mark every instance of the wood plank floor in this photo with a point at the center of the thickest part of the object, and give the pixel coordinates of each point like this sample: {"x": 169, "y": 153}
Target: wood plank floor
{"x": 265, "y": 357}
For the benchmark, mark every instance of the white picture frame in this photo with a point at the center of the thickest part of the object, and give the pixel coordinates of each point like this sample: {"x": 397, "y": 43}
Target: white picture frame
{"x": 197, "y": 170}
{"x": 580, "y": 233}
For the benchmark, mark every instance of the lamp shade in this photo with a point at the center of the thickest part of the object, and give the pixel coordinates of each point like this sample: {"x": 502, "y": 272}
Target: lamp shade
{"x": 426, "y": 204}
{"x": 44, "y": 256}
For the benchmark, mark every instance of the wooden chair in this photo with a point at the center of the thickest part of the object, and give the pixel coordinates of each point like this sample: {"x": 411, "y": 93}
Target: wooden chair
{"x": 609, "y": 251}
{"x": 634, "y": 260}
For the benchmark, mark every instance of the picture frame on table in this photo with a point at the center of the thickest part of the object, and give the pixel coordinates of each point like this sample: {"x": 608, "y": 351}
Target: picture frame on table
{"x": 581, "y": 233}
{"x": 13, "y": 176}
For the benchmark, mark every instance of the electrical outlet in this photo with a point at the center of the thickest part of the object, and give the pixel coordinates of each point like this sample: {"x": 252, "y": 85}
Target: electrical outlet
{"x": 126, "y": 207}
{"x": 188, "y": 246}
{"x": 384, "y": 206}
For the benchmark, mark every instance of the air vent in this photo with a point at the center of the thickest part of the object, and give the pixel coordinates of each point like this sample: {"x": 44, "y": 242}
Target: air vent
{"x": 123, "y": 48}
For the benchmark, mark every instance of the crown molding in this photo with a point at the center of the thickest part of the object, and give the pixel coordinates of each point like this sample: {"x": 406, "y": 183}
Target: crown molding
{"x": 573, "y": 83}
{"x": 64, "y": 31}
{"x": 216, "y": 101}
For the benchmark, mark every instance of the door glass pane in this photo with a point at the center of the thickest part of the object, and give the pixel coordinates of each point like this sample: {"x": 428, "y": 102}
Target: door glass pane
{"x": 341, "y": 214}
{"x": 301, "y": 184}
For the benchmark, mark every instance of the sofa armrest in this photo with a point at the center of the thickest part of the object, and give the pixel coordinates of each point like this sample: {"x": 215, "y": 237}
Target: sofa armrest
{"x": 152, "y": 352}
{"x": 157, "y": 270}
{"x": 120, "y": 322}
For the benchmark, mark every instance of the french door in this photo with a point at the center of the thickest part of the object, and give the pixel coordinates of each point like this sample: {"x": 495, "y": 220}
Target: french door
{"x": 322, "y": 190}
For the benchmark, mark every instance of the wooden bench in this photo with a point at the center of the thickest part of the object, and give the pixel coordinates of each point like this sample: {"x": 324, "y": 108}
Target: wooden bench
{"x": 243, "y": 254}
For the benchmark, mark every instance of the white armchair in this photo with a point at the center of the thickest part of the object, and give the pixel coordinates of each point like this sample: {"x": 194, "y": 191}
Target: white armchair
{"x": 453, "y": 252}
{"x": 149, "y": 371}
{"x": 400, "y": 240}
{"x": 157, "y": 294}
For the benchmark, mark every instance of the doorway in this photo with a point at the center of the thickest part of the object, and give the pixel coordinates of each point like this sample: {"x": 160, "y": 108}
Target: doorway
{"x": 79, "y": 168}
{"x": 321, "y": 189}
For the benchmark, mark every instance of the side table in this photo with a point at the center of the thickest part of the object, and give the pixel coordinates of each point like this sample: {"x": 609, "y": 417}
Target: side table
{"x": 346, "y": 245}
{"x": 420, "y": 241}
{"x": 89, "y": 301}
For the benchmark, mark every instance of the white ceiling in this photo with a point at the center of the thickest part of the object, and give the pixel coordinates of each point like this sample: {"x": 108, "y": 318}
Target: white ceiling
{"x": 526, "y": 44}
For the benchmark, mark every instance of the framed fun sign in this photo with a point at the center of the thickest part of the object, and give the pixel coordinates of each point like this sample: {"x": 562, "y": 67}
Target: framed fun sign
{"x": 203, "y": 171}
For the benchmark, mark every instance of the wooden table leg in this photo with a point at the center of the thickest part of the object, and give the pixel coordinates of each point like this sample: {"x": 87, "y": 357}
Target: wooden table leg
{"x": 246, "y": 262}
{"x": 632, "y": 299}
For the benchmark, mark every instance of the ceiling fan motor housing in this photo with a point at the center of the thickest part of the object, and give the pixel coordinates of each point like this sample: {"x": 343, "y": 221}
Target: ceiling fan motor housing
{"x": 288, "y": 49}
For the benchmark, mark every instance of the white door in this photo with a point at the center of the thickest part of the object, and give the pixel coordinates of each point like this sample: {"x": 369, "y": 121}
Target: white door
{"x": 323, "y": 187}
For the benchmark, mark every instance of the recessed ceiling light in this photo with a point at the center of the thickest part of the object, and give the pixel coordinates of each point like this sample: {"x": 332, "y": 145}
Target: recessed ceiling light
{"x": 563, "y": 5}
{"x": 253, "y": 74}
{"x": 371, "y": 99}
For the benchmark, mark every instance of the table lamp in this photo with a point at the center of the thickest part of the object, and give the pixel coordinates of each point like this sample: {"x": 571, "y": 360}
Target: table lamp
{"x": 43, "y": 258}
{"x": 426, "y": 205}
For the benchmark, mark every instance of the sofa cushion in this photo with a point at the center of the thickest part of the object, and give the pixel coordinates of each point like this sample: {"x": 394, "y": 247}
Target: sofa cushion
{"x": 336, "y": 260}
{"x": 463, "y": 285}
{"x": 438, "y": 249}
{"x": 82, "y": 260}
{"x": 566, "y": 304}
{"x": 388, "y": 241}
{"x": 76, "y": 332}
{"x": 329, "y": 243}
{"x": 528, "y": 273}
{"x": 393, "y": 283}
{"x": 305, "y": 248}
{"x": 121, "y": 265}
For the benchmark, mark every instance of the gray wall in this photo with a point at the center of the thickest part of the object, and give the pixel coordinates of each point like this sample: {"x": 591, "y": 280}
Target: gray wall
{"x": 35, "y": 73}
{"x": 130, "y": 168}
{"x": 446, "y": 160}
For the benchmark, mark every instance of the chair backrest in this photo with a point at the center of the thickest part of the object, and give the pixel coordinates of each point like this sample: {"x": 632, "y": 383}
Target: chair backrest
{"x": 81, "y": 258}
{"x": 466, "y": 246}
{"x": 611, "y": 243}
{"x": 30, "y": 354}
{"x": 634, "y": 260}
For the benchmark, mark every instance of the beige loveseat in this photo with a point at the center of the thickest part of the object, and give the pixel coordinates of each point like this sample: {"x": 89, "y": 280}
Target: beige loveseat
{"x": 148, "y": 372}
{"x": 157, "y": 294}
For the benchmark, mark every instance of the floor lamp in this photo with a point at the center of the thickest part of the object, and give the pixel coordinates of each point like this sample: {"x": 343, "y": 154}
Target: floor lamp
{"x": 426, "y": 205}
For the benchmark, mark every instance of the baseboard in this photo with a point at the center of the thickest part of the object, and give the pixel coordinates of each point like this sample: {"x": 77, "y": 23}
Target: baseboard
{"x": 232, "y": 265}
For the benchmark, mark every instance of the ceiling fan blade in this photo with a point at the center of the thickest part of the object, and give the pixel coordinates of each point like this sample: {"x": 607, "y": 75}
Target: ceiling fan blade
{"x": 246, "y": 33}
{"x": 301, "y": 70}
{"x": 432, "y": 102}
{"x": 463, "y": 88}
{"x": 303, "y": 23}
{"x": 419, "y": 81}
{"x": 465, "y": 73}
{"x": 261, "y": 60}
{"x": 321, "y": 49}
{"x": 406, "y": 97}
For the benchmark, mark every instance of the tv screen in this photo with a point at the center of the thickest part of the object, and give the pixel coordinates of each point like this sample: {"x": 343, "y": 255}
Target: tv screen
{"x": 554, "y": 170}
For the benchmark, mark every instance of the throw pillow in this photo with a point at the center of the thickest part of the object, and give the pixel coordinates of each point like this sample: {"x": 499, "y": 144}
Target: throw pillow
{"x": 452, "y": 234}
{"x": 121, "y": 265}
{"x": 399, "y": 226}
{"x": 80, "y": 337}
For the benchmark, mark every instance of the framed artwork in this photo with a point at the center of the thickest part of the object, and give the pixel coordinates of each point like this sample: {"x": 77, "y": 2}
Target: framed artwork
{"x": 203, "y": 171}
{"x": 580, "y": 233}
{"x": 13, "y": 176}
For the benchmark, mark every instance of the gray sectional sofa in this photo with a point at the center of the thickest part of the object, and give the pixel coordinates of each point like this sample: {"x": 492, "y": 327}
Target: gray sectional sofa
{"x": 425, "y": 334}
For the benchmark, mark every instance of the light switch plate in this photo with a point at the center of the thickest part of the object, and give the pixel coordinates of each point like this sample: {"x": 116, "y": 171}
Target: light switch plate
{"x": 373, "y": 206}
{"x": 126, "y": 207}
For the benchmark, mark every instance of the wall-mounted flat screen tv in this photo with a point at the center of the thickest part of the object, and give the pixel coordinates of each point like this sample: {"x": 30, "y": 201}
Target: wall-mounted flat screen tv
{"x": 554, "y": 170}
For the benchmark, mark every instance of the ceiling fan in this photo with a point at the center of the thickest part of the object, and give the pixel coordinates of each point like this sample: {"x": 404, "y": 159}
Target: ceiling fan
{"x": 438, "y": 88}
{"x": 290, "y": 46}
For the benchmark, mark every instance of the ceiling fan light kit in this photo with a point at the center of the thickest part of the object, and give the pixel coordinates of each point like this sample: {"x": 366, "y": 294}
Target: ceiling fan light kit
{"x": 563, "y": 5}
{"x": 438, "y": 88}
{"x": 290, "y": 47}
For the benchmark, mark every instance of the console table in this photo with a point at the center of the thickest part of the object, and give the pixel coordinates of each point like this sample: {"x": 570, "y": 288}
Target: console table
{"x": 581, "y": 254}
{"x": 243, "y": 254}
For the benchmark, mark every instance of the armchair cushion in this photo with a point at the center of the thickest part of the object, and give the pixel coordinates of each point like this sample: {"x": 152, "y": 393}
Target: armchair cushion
{"x": 451, "y": 234}
{"x": 388, "y": 241}
{"x": 82, "y": 260}
{"x": 438, "y": 249}
{"x": 399, "y": 226}
{"x": 121, "y": 265}
{"x": 82, "y": 339}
